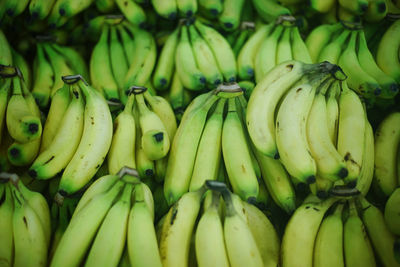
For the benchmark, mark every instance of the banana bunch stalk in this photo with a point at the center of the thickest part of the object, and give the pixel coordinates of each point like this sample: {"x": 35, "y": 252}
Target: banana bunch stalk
{"x": 349, "y": 49}
{"x": 339, "y": 233}
{"x": 142, "y": 135}
{"x": 115, "y": 214}
{"x": 202, "y": 58}
{"x": 269, "y": 46}
{"x": 79, "y": 125}
{"x": 25, "y": 224}
{"x": 52, "y": 61}
{"x": 216, "y": 231}
{"x": 20, "y": 119}
{"x": 305, "y": 115}
{"x": 123, "y": 56}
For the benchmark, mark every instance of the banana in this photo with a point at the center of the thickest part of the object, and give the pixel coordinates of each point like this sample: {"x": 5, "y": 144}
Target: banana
{"x": 241, "y": 40}
{"x": 105, "y": 6}
{"x": 141, "y": 235}
{"x": 247, "y": 55}
{"x": 165, "y": 66}
{"x": 264, "y": 99}
{"x": 211, "y": 7}
{"x": 240, "y": 244}
{"x": 290, "y": 130}
{"x": 93, "y": 146}
{"x": 87, "y": 220}
{"x": 13, "y": 8}
{"x": 205, "y": 59}
{"x": 231, "y": 14}
{"x": 367, "y": 62}
{"x": 187, "y": 8}
{"x": 22, "y": 124}
{"x": 357, "y": 247}
{"x": 330, "y": 164}
{"x": 358, "y": 79}
{"x": 328, "y": 250}
{"x": 23, "y": 154}
{"x": 30, "y": 247}
{"x": 236, "y": 155}
{"x": 73, "y": 59}
{"x": 184, "y": 147}
{"x": 382, "y": 239}
{"x": 387, "y": 54}
{"x": 332, "y": 51}
{"x": 208, "y": 156}
{"x": 119, "y": 63}
{"x": 59, "y": 65}
{"x": 111, "y": 235}
{"x": 39, "y": 205}
{"x": 332, "y": 110}
{"x": 20, "y": 62}
{"x": 5, "y": 51}
{"x": 266, "y": 58}
{"x": 299, "y": 48}
{"x": 350, "y": 143}
{"x": 322, "y": 6}
{"x": 319, "y": 38}
{"x": 140, "y": 71}
{"x": 59, "y": 104}
{"x": 270, "y": 10}
{"x": 5, "y": 89}
{"x": 50, "y": 161}
{"x": 284, "y": 47}
{"x": 6, "y": 226}
{"x": 128, "y": 42}
{"x": 166, "y": 9}
{"x": 299, "y": 238}
{"x": 177, "y": 229}
{"x": 163, "y": 109}
{"x": 391, "y": 214}
{"x": 69, "y": 8}
{"x": 223, "y": 53}
{"x": 122, "y": 149}
{"x": 133, "y": 12}
{"x": 376, "y": 11}
{"x": 101, "y": 185}
{"x": 186, "y": 67}
{"x": 264, "y": 233}
{"x": 357, "y": 7}
{"x": 367, "y": 168}
{"x": 209, "y": 236}
{"x": 155, "y": 140}
{"x": 101, "y": 73}
{"x": 43, "y": 82}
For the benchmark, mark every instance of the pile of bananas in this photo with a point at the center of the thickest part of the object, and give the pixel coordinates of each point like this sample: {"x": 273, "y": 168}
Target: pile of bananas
{"x": 334, "y": 232}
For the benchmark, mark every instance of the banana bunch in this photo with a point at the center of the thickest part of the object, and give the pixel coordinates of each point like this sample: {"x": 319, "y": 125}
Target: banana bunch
{"x": 216, "y": 231}
{"x": 115, "y": 214}
{"x": 20, "y": 122}
{"x": 25, "y": 224}
{"x": 142, "y": 135}
{"x": 305, "y": 115}
{"x": 349, "y": 49}
{"x": 387, "y": 157}
{"x": 333, "y": 232}
{"x": 79, "y": 124}
{"x": 123, "y": 56}
{"x": 202, "y": 58}
{"x": 269, "y": 46}
{"x": 51, "y": 62}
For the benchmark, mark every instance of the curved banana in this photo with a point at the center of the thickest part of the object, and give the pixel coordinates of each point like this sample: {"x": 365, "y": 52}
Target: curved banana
{"x": 166, "y": 9}
{"x": 50, "y": 161}
{"x": 392, "y": 217}
{"x": 284, "y": 46}
{"x": 87, "y": 220}
{"x": 109, "y": 243}
{"x": 93, "y": 146}
{"x": 270, "y": 10}
{"x": 328, "y": 248}
{"x": 357, "y": 246}
{"x": 231, "y": 14}
{"x": 299, "y": 48}
{"x": 247, "y": 55}
{"x": 43, "y": 81}
{"x": 377, "y": 10}
{"x": 133, "y": 12}
{"x": 39, "y": 9}
{"x": 187, "y": 8}
{"x": 381, "y": 237}
{"x": 331, "y": 52}
{"x": 6, "y": 226}
{"x": 302, "y": 229}
{"x": 223, "y": 52}
{"x": 184, "y": 146}
{"x": 122, "y": 149}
